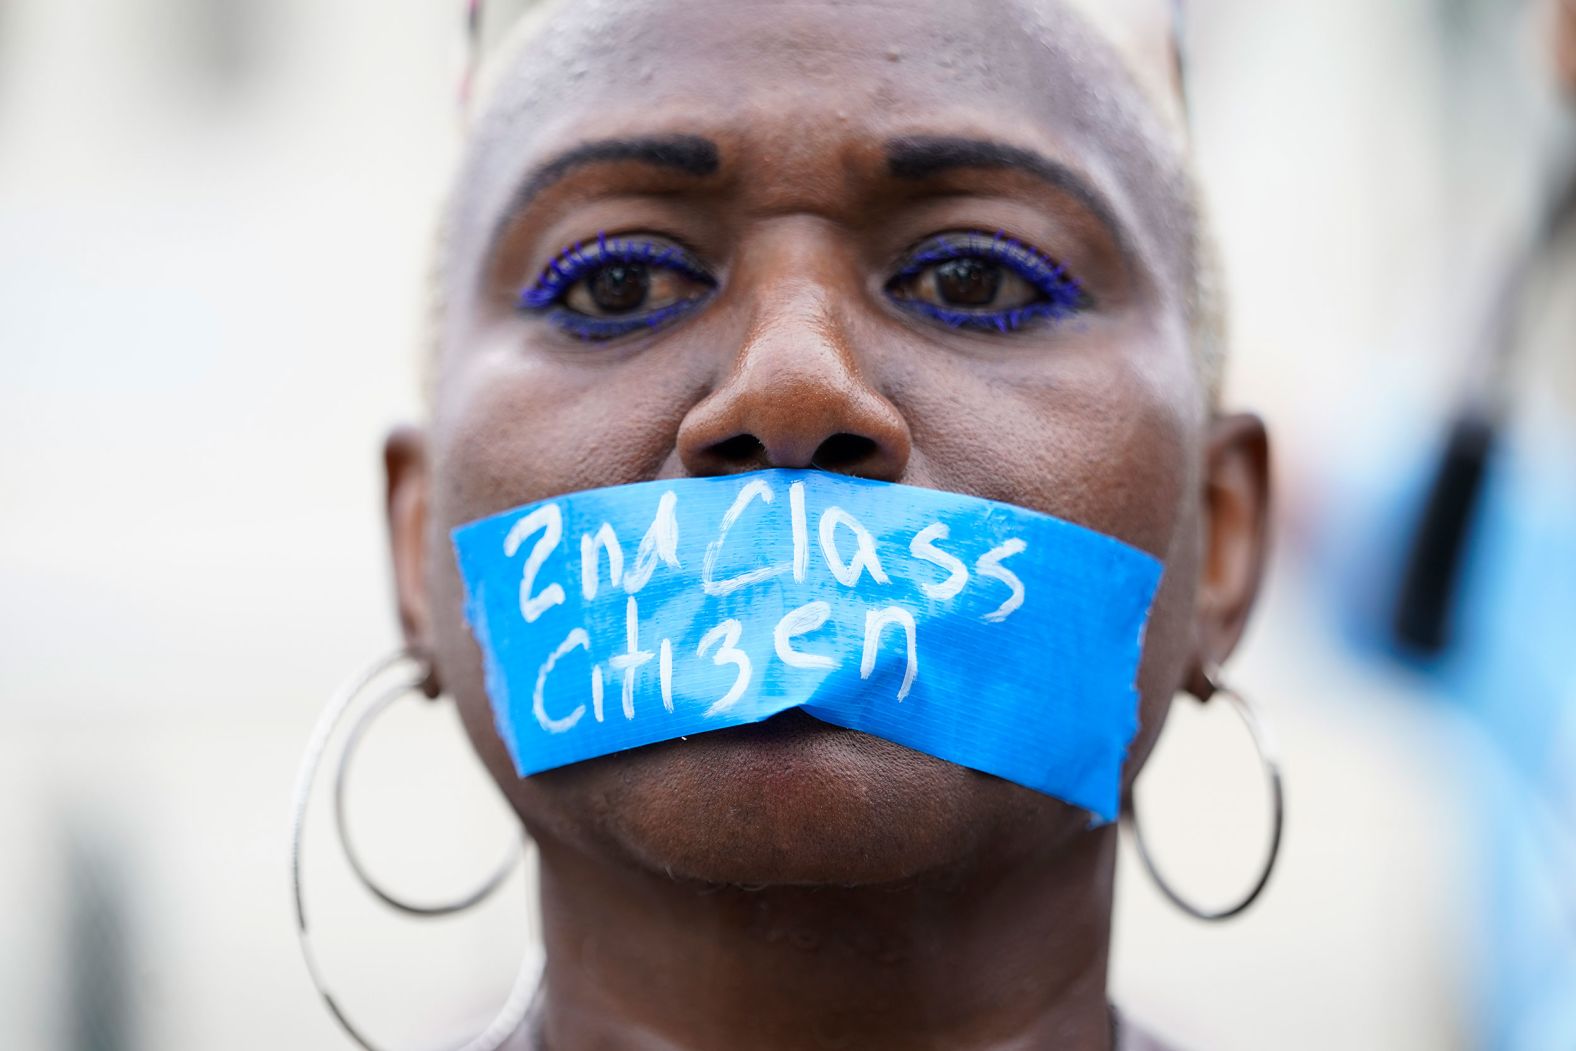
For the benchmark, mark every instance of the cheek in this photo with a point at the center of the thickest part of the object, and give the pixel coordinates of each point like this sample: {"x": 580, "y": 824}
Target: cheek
{"x": 1087, "y": 437}
{"x": 514, "y": 425}
{"x": 1169, "y": 644}
{"x": 1110, "y": 441}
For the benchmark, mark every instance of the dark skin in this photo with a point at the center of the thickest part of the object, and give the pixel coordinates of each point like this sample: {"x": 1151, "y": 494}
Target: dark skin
{"x": 792, "y": 884}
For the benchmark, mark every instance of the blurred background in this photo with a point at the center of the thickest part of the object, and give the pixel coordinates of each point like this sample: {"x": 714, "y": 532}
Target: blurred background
{"x": 214, "y": 224}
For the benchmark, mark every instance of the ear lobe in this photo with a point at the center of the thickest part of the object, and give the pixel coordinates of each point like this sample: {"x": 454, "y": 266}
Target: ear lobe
{"x": 405, "y": 467}
{"x": 1236, "y": 527}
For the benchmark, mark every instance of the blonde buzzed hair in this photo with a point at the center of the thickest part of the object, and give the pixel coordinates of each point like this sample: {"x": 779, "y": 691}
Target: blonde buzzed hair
{"x": 1208, "y": 326}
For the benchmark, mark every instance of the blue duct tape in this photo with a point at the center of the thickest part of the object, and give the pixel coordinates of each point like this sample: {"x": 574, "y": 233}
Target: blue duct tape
{"x": 997, "y": 638}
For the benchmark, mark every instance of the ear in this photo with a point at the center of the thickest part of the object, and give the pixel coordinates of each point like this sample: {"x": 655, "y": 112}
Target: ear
{"x": 405, "y": 465}
{"x": 1236, "y": 526}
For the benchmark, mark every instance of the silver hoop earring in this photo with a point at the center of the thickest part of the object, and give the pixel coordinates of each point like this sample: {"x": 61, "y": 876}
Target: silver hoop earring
{"x": 1262, "y": 743}
{"x": 518, "y": 1004}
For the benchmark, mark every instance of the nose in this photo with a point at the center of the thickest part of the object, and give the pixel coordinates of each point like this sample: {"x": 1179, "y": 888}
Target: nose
{"x": 795, "y": 397}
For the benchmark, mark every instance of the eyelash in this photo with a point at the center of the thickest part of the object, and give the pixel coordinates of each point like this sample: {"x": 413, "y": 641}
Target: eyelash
{"x": 546, "y": 296}
{"x": 1064, "y": 294}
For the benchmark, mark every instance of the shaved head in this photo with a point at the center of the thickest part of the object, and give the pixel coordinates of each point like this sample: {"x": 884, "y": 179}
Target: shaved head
{"x": 953, "y": 246}
{"x": 1110, "y": 67}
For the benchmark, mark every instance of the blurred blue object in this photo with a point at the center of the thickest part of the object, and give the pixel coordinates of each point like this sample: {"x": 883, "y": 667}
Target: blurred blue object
{"x": 1508, "y": 662}
{"x": 1515, "y": 672}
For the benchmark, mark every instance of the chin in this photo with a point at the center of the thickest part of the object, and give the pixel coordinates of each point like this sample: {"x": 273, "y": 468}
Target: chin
{"x": 794, "y": 802}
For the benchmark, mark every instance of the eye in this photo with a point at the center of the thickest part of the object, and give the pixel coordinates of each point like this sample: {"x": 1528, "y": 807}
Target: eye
{"x": 973, "y": 280}
{"x": 602, "y": 289}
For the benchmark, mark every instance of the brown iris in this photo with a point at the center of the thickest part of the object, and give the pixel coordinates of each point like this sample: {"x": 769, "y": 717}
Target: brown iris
{"x": 968, "y": 282}
{"x": 620, "y": 287}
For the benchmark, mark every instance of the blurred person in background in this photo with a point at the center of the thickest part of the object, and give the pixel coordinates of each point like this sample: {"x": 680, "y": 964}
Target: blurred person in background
{"x": 795, "y": 156}
{"x": 1506, "y": 656}
{"x": 1460, "y": 570}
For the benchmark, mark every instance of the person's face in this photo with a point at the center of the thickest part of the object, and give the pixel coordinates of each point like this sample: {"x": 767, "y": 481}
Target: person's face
{"x": 804, "y": 158}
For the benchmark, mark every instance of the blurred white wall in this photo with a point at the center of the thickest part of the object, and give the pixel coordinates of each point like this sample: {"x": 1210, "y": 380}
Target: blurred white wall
{"x": 212, "y": 248}
{"x": 214, "y": 217}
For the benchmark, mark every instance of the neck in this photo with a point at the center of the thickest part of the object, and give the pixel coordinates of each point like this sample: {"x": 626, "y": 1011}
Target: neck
{"x": 1004, "y": 959}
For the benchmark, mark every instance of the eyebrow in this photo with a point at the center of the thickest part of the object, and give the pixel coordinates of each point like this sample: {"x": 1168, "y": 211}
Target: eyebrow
{"x": 926, "y": 157}
{"x": 688, "y": 154}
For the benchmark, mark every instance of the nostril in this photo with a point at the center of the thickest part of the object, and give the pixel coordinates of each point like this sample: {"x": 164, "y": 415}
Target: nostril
{"x": 741, "y": 448}
{"x": 841, "y": 452}
{"x": 846, "y": 453}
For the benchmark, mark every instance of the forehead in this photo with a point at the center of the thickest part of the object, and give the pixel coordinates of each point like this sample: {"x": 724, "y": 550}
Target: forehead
{"x": 1146, "y": 33}
{"x": 1031, "y": 55}
{"x": 795, "y": 80}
